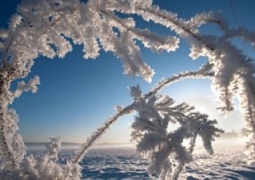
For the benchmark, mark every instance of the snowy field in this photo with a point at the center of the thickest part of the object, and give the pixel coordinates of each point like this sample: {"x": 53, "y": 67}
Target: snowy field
{"x": 228, "y": 163}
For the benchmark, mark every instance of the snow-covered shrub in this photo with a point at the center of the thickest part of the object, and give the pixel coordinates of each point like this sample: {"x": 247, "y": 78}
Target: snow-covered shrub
{"x": 44, "y": 167}
{"x": 158, "y": 141}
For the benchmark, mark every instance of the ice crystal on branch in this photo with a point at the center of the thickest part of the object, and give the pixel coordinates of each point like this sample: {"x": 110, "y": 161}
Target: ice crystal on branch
{"x": 156, "y": 138}
{"x": 16, "y": 147}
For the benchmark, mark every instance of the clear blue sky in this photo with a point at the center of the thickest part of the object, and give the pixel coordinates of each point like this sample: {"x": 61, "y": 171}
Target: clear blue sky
{"x": 76, "y": 96}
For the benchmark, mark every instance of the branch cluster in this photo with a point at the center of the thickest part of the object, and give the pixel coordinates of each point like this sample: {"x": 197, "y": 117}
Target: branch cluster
{"x": 156, "y": 138}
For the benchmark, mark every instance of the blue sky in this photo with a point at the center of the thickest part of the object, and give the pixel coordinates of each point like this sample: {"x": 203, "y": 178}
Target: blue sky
{"x": 76, "y": 96}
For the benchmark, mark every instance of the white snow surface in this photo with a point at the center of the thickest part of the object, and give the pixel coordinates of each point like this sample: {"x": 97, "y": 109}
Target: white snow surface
{"x": 227, "y": 163}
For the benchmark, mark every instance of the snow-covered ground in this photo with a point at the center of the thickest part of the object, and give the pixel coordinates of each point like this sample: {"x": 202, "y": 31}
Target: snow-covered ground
{"x": 227, "y": 163}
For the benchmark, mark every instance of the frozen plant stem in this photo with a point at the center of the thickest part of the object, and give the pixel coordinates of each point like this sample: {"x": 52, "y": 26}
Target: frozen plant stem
{"x": 180, "y": 166}
{"x": 129, "y": 108}
{"x": 4, "y": 145}
{"x": 96, "y": 135}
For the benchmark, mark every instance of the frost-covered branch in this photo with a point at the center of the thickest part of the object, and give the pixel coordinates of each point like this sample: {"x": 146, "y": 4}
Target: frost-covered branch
{"x": 155, "y": 140}
{"x": 226, "y": 59}
{"x": 201, "y": 73}
{"x": 204, "y": 72}
{"x": 96, "y": 135}
{"x": 12, "y": 147}
{"x": 149, "y": 39}
{"x": 30, "y": 86}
